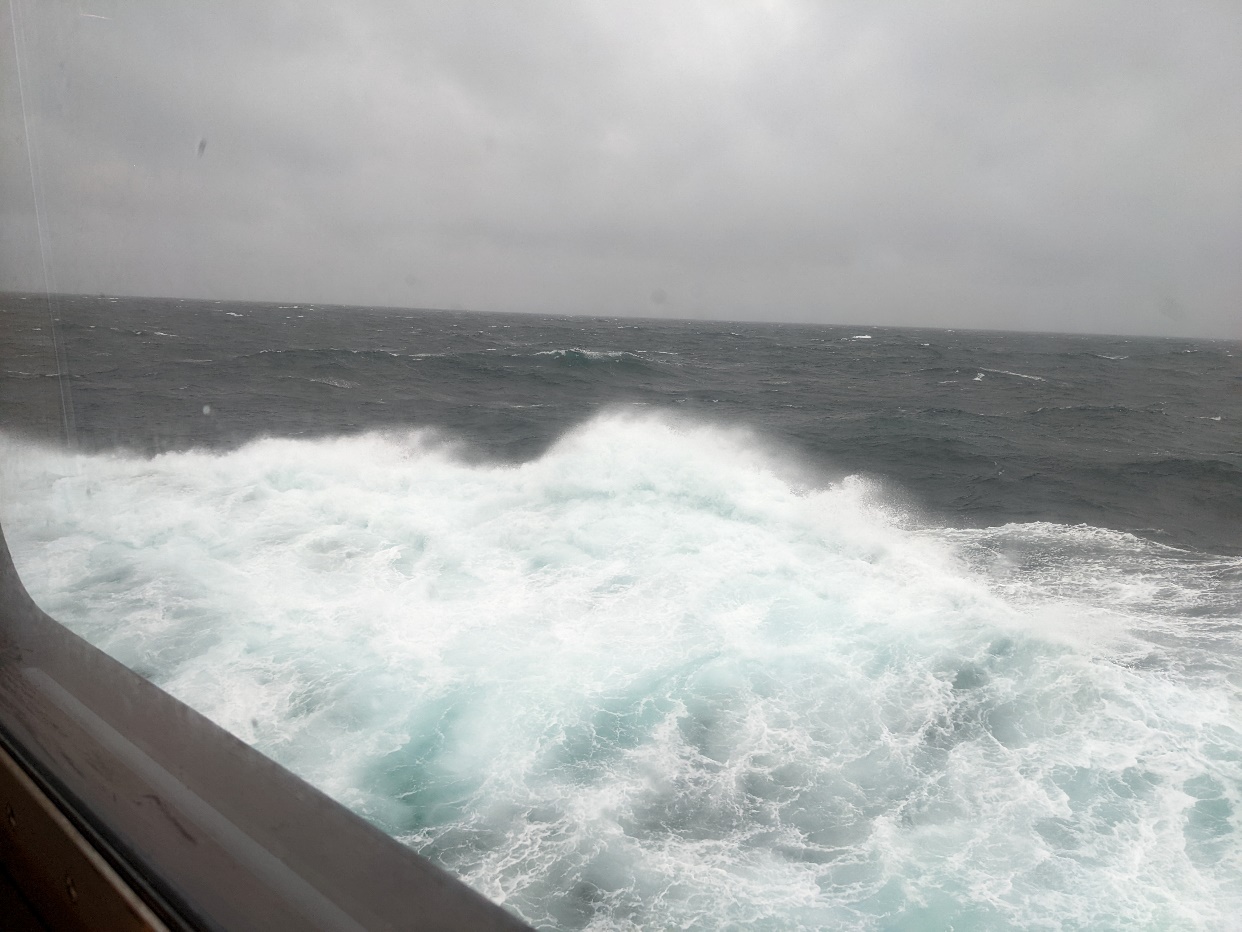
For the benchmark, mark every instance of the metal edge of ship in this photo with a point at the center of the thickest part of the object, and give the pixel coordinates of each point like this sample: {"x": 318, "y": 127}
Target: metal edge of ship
{"x": 123, "y": 808}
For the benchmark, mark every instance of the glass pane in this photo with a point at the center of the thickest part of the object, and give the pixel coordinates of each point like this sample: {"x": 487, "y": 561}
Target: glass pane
{"x": 377, "y": 383}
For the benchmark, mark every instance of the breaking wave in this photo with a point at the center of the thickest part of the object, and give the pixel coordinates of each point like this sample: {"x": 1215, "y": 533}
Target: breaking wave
{"x": 656, "y": 678}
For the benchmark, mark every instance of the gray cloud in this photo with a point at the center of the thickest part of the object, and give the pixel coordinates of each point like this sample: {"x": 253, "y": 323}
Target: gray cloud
{"x": 1042, "y": 166}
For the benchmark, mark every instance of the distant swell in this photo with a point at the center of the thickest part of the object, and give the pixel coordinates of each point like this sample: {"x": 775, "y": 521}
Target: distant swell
{"x": 583, "y": 357}
{"x": 1016, "y": 375}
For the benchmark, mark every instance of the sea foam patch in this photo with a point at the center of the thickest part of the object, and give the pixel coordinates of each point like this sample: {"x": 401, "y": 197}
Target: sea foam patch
{"x": 651, "y": 680}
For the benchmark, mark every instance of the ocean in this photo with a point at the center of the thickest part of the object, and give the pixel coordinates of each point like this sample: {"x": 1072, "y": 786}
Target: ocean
{"x": 649, "y": 624}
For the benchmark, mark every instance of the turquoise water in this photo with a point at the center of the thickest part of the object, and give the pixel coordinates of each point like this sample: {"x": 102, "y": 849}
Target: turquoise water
{"x": 667, "y": 675}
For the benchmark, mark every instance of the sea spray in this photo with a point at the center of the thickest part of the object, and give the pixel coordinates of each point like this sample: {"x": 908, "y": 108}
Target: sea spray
{"x": 655, "y": 679}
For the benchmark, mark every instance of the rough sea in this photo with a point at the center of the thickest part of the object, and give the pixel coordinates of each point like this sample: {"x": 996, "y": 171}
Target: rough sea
{"x": 640, "y": 624}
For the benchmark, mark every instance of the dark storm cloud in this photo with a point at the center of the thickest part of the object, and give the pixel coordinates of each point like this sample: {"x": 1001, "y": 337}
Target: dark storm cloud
{"x": 1043, "y": 166}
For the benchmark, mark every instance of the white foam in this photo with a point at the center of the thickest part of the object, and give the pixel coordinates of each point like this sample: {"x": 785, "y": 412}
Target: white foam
{"x": 587, "y": 353}
{"x": 1017, "y": 375}
{"x": 657, "y": 679}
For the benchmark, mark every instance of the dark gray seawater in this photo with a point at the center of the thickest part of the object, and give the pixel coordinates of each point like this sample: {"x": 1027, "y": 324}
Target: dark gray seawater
{"x": 980, "y": 428}
{"x": 645, "y": 624}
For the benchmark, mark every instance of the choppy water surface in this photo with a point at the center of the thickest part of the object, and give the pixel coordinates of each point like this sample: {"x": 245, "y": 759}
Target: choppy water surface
{"x": 666, "y": 625}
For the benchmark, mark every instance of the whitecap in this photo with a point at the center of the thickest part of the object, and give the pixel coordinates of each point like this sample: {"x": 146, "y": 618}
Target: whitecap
{"x": 1019, "y": 375}
{"x": 661, "y": 663}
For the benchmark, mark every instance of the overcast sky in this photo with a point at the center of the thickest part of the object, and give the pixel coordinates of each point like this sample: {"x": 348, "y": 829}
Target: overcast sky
{"x": 1034, "y": 165}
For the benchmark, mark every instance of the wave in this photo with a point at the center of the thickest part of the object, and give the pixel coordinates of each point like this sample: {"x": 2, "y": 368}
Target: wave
{"x": 324, "y": 352}
{"x": 1077, "y": 413}
{"x": 1016, "y": 375}
{"x": 1095, "y": 409}
{"x": 579, "y": 356}
{"x": 657, "y": 677}
{"x": 1223, "y": 477}
{"x": 301, "y": 356}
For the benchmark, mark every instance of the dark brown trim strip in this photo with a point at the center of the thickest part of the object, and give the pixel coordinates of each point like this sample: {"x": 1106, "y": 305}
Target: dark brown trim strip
{"x": 64, "y": 878}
